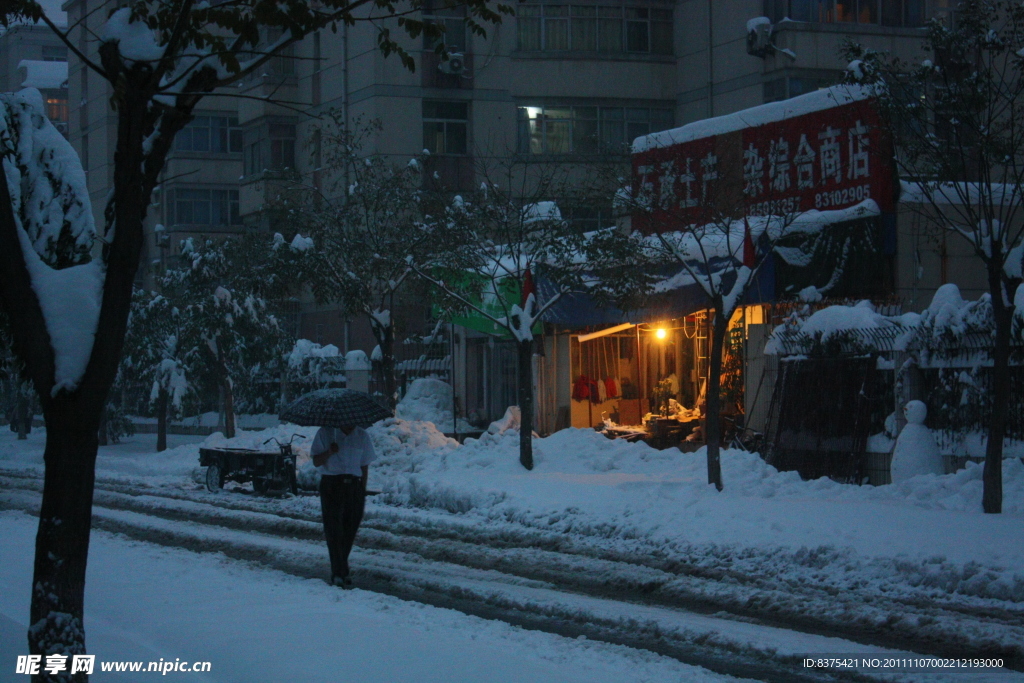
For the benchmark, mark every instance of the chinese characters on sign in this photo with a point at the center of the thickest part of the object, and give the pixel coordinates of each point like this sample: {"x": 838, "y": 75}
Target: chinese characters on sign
{"x": 55, "y": 664}
{"x": 828, "y": 159}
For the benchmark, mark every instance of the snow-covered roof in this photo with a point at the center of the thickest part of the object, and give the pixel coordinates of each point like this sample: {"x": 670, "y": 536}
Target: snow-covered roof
{"x": 44, "y": 75}
{"x": 818, "y": 100}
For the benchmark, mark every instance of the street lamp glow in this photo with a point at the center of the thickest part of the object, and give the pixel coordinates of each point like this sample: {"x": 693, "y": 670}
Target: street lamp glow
{"x": 661, "y": 333}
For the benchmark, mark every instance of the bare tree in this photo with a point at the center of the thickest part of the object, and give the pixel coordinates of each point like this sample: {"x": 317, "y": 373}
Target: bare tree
{"x": 365, "y": 225}
{"x": 161, "y": 59}
{"x": 957, "y": 120}
{"x": 494, "y": 244}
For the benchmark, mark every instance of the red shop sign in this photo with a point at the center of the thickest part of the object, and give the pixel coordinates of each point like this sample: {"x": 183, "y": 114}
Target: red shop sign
{"x": 832, "y": 158}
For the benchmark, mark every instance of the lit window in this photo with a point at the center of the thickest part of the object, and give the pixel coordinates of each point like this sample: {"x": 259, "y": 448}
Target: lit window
{"x": 909, "y": 13}
{"x": 546, "y": 129}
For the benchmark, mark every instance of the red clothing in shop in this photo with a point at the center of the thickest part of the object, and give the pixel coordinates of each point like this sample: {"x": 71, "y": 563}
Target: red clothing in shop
{"x": 609, "y": 387}
{"x": 581, "y": 388}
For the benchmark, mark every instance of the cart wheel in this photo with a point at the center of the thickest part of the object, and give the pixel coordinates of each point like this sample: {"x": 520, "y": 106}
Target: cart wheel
{"x": 214, "y": 478}
{"x": 260, "y": 485}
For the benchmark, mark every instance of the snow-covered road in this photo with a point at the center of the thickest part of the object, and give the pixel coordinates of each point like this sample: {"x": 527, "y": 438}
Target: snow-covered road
{"x": 727, "y": 621}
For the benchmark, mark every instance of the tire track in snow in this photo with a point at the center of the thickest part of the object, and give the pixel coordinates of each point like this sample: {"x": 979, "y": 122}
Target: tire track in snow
{"x": 722, "y": 645}
{"x": 882, "y": 622}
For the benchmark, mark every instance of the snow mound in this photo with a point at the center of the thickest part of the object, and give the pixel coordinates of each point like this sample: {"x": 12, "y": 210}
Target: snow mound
{"x": 430, "y": 400}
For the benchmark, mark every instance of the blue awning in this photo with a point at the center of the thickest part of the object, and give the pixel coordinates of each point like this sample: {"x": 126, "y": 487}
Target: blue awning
{"x": 578, "y": 310}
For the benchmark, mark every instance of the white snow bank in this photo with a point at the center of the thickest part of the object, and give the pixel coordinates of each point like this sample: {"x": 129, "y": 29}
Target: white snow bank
{"x": 826, "y": 98}
{"x": 52, "y": 210}
{"x": 430, "y": 400}
{"x": 585, "y": 483}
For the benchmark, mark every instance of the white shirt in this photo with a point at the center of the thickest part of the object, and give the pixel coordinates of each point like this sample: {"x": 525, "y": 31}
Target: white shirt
{"x": 355, "y": 451}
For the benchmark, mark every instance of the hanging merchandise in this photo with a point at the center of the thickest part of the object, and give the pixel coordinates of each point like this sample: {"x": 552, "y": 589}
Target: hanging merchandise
{"x": 581, "y": 388}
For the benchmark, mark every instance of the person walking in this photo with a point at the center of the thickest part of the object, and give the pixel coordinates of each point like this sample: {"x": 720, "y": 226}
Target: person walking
{"x": 342, "y": 455}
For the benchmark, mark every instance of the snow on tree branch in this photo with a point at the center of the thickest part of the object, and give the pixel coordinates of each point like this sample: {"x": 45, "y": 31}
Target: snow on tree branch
{"x": 56, "y": 231}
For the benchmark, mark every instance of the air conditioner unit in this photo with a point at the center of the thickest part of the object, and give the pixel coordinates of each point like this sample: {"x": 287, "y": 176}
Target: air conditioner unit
{"x": 759, "y": 37}
{"x": 456, "y": 64}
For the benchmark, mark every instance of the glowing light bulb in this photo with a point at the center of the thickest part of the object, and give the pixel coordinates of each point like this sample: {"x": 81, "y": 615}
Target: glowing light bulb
{"x": 661, "y": 333}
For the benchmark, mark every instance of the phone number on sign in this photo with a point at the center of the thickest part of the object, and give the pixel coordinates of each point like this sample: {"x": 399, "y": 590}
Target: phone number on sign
{"x": 824, "y": 200}
{"x": 900, "y": 663}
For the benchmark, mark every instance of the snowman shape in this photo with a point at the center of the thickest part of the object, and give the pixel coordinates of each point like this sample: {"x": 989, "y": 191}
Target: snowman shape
{"x": 916, "y": 451}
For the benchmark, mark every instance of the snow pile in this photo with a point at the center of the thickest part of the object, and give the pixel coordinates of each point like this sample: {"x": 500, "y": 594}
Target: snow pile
{"x": 916, "y": 452}
{"x": 430, "y": 400}
{"x": 541, "y": 211}
{"x": 587, "y": 479}
{"x": 357, "y": 360}
{"x": 56, "y": 230}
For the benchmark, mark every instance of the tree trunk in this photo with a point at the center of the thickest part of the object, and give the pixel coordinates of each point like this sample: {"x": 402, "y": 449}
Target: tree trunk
{"x": 161, "y": 420}
{"x": 102, "y": 431}
{"x": 62, "y": 541}
{"x": 385, "y": 337}
{"x": 72, "y": 419}
{"x": 229, "y": 409}
{"x": 525, "y": 366}
{"x": 712, "y": 423}
{"x": 24, "y": 417}
{"x": 992, "y": 478}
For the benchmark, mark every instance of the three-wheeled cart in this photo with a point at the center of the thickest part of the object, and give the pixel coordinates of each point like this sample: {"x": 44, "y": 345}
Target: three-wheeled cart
{"x": 269, "y": 471}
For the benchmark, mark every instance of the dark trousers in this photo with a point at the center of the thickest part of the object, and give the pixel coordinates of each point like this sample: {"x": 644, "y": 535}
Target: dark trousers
{"x": 342, "y": 500}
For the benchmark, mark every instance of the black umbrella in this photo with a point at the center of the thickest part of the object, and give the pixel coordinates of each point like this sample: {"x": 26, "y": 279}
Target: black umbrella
{"x": 335, "y": 408}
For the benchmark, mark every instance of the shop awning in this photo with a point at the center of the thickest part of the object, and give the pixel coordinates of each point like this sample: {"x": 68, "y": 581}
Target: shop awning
{"x": 606, "y": 331}
{"x": 580, "y": 310}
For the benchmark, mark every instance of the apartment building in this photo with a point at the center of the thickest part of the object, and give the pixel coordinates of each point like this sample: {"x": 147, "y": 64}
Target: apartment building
{"x": 31, "y": 56}
{"x": 559, "y": 81}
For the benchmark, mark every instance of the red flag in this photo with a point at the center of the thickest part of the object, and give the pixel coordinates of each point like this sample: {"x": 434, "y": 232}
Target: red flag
{"x": 528, "y": 288}
{"x": 749, "y": 251}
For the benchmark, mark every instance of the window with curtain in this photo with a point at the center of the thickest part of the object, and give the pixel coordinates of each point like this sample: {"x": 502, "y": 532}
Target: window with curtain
{"x": 590, "y": 28}
{"x": 585, "y": 129}
{"x": 203, "y": 206}
{"x": 446, "y": 127}
{"x": 282, "y": 146}
{"x": 899, "y": 13}
{"x": 217, "y": 134}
